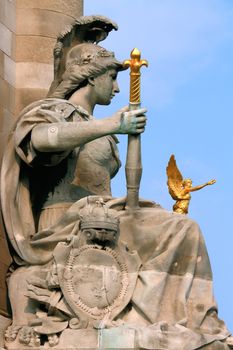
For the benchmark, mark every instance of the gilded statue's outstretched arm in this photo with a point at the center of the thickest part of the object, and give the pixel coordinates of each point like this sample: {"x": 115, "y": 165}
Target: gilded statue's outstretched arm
{"x": 196, "y": 188}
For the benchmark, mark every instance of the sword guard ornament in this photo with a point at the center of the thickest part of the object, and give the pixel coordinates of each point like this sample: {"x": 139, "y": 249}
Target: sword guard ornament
{"x": 135, "y": 63}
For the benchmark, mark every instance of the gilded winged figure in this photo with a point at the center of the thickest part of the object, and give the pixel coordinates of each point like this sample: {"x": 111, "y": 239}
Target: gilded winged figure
{"x": 180, "y": 188}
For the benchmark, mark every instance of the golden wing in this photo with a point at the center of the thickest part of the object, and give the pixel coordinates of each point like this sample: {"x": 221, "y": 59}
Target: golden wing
{"x": 174, "y": 179}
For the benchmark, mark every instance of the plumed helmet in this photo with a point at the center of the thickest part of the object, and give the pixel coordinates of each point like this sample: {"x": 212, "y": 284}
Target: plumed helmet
{"x": 77, "y": 57}
{"x": 82, "y": 62}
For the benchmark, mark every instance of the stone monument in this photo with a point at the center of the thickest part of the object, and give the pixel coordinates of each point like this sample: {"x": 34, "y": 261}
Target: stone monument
{"x": 91, "y": 271}
{"x": 28, "y": 32}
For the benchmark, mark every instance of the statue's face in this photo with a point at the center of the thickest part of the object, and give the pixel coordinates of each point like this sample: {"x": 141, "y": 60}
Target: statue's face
{"x": 187, "y": 183}
{"x": 105, "y": 87}
{"x": 100, "y": 235}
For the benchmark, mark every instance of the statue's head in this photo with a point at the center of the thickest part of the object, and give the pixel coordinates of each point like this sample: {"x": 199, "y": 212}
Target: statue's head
{"x": 85, "y": 29}
{"x": 187, "y": 183}
{"x": 84, "y": 61}
{"x": 99, "y": 224}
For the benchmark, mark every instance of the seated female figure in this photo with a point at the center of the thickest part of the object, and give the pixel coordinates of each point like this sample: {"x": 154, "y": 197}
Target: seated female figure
{"x": 58, "y": 155}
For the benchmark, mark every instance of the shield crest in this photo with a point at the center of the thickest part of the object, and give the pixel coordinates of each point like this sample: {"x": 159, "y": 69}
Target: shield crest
{"x": 96, "y": 281}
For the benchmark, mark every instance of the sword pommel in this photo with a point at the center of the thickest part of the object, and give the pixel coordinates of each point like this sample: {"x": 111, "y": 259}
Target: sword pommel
{"x": 135, "y": 63}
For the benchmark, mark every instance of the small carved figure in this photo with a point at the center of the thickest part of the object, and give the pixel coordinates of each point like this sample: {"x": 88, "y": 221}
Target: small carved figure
{"x": 180, "y": 188}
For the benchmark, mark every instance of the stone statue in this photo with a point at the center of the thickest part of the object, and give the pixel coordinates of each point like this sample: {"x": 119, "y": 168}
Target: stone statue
{"x": 88, "y": 272}
{"x": 180, "y": 188}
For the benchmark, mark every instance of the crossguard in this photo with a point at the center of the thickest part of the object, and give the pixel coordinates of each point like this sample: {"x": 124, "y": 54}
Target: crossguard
{"x": 135, "y": 63}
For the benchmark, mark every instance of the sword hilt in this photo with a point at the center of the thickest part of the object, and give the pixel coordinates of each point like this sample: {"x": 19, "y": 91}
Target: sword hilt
{"x": 135, "y": 63}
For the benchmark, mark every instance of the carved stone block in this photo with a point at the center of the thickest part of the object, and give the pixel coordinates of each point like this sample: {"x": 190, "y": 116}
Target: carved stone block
{"x": 41, "y": 22}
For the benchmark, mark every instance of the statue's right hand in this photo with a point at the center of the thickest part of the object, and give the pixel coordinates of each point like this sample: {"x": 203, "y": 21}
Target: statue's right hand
{"x": 130, "y": 121}
{"x": 211, "y": 182}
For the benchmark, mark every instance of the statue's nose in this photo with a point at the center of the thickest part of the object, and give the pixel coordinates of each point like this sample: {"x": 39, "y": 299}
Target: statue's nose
{"x": 116, "y": 88}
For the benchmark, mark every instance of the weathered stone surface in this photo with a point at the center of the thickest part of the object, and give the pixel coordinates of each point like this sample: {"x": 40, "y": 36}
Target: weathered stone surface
{"x": 6, "y": 123}
{"x": 25, "y": 49}
{"x": 4, "y": 93}
{"x": 7, "y": 96}
{"x": 41, "y": 22}
{"x": 9, "y": 70}
{"x": 3, "y": 138}
{"x": 72, "y": 7}
{"x": 25, "y": 96}
{"x": 12, "y": 99}
{"x": 8, "y": 119}
{"x": 4, "y": 265}
{"x": 80, "y": 339}
{"x": 8, "y": 14}
{"x": 115, "y": 338}
{"x": 1, "y": 63}
{"x": 3, "y": 270}
{"x": 5, "y": 42}
{"x": 28, "y": 75}
{"x": 5, "y": 259}
{"x": 4, "y": 323}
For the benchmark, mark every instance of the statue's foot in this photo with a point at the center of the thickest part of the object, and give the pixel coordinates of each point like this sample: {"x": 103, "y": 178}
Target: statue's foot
{"x": 11, "y": 333}
{"x": 28, "y": 336}
{"x": 53, "y": 339}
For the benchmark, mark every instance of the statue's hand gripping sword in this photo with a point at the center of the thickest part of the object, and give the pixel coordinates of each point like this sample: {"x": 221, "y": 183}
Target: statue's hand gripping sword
{"x": 133, "y": 167}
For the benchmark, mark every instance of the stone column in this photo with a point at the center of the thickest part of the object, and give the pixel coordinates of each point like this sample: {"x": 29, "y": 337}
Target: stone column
{"x": 28, "y": 31}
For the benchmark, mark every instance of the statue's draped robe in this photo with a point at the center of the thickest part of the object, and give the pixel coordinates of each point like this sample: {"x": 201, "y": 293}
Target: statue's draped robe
{"x": 172, "y": 307}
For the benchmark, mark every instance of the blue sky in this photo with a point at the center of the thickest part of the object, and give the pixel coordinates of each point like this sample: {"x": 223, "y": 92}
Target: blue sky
{"x": 188, "y": 91}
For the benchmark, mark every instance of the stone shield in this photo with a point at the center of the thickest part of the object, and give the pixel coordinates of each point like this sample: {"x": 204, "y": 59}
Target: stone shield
{"x": 96, "y": 281}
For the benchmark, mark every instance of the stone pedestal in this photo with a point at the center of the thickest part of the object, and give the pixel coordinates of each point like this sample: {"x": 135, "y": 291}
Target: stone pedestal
{"x": 28, "y": 31}
{"x": 114, "y": 338}
{"x": 91, "y": 339}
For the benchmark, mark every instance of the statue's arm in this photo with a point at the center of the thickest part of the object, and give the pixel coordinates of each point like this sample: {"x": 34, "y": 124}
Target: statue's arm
{"x": 61, "y": 136}
{"x": 196, "y": 188}
{"x": 66, "y": 136}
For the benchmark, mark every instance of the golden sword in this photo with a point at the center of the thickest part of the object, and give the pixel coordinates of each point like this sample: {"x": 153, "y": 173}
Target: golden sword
{"x": 133, "y": 167}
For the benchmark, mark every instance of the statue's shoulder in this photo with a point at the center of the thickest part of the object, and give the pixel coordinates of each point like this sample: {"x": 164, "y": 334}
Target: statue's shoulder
{"x": 53, "y": 109}
{"x": 61, "y": 107}
{"x": 64, "y": 108}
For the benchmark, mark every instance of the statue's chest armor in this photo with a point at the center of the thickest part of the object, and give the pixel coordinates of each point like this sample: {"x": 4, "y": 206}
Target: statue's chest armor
{"x": 87, "y": 170}
{"x": 98, "y": 161}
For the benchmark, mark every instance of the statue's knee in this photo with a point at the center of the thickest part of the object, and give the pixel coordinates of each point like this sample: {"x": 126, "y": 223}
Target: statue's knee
{"x": 18, "y": 280}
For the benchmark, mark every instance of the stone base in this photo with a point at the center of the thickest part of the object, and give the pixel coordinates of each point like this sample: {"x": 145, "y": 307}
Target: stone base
{"x": 92, "y": 339}
{"x": 4, "y": 323}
